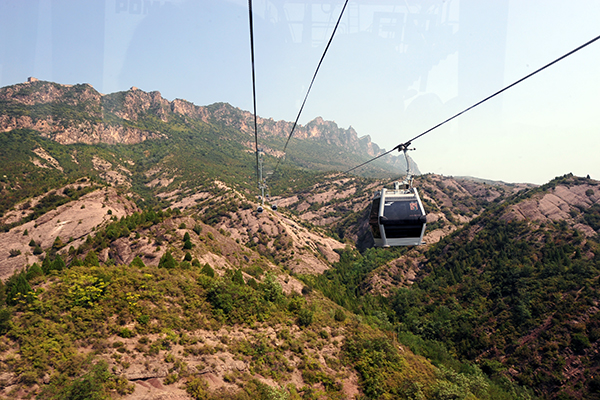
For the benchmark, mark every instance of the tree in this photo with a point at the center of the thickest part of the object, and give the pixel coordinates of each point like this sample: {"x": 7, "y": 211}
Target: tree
{"x": 167, "y": 261}
{"x": 17, "y": 286}
{"x": 91, "y": 259}
{"x": 238, "y": 278}
{"x": 58, "y": 244}
{"x": 58, "y": 264}
{"x": 208, "y": 271}
{"x": 137, "y": 262}
{"x": 33, "y": 272}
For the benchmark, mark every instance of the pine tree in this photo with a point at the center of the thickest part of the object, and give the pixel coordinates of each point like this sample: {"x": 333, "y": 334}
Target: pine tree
{"x": 91, "y": 259}
{"x": 208, "y": 271}
{"x": 167, "y": 261}
{"x": 238, "y": 278}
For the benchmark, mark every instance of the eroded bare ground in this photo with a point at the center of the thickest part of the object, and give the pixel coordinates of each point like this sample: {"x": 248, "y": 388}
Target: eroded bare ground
{"x": 561, "y": 204}
{"x": 71, "y": 222}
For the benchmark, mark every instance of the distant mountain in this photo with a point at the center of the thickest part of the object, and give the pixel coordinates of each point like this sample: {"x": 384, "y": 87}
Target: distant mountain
{"x": 71, "y": 114}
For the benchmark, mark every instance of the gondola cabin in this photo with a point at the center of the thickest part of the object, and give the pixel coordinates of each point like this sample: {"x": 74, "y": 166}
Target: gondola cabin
{"x": 397, "y": 217}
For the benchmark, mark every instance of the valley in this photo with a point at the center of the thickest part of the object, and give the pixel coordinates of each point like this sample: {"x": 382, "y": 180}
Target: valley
{"x": 134, "y": 264}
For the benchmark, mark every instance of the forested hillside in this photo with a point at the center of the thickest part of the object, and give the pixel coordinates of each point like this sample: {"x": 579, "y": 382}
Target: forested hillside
{"x": 134, "y": 264}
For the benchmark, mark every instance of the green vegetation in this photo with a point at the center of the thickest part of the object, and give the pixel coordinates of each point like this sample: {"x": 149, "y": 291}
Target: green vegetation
{"x": 498, "y": 310}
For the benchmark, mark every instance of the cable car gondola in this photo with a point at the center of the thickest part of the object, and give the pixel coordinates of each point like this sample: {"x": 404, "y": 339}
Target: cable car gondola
{"x": 397, "y": 217}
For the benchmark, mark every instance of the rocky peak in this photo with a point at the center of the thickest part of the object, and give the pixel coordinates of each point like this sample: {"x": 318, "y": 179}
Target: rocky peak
{"x": 40, "y": 92}
{"x": 130, "y": 105}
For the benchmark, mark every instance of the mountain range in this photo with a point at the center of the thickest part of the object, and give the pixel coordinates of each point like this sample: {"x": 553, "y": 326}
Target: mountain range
{"x": 134, "y": 263}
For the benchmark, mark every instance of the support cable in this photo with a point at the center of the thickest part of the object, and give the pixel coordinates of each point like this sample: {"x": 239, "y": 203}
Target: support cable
{"x": 402, "y": 146}
{"x": 311, "y": 84}
{"x": 258, "y": 174}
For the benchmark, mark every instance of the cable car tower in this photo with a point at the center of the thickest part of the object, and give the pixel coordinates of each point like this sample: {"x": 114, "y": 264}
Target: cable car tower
{"x": 262, "y": 185}
{"x": 261, "y": 182}
{"x": 397, "y": 217}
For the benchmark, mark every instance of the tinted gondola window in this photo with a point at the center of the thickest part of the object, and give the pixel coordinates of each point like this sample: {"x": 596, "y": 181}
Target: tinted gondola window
{"x": 403, "y": 218}
{"x": 401, "y": 210}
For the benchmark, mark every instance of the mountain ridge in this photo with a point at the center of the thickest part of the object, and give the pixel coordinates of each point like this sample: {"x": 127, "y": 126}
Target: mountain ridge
{"x": 100, "y": 126}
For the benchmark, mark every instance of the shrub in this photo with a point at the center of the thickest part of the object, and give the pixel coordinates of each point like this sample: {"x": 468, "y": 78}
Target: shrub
{"x": 5, "y": 316}
{"x": 85, "y": 289}
{"x": 208, "y": 271}
{"x": 580, "y": 342}
{"x": 14, "y": 252}
{"x": 339, "y": 315}
{"x": 240, "y": 304}
{"x": 305, "y": 317}
{"x": 92, "y": 386}
{"x": 185, "y": 265}
{"x": 252, "y": 283}
{"x": 271, "y": 289}
{"x": 197, "y": 388}
{"x": 171, "y": 378}
{"x": 126, "y": 333}
{"x": 296, "y": 304}
{"x": 197, "y": 229}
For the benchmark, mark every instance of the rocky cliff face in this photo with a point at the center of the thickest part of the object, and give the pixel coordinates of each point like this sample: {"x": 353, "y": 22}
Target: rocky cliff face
{"x": 317, "y": 129}
{"x": 71, "y": 114}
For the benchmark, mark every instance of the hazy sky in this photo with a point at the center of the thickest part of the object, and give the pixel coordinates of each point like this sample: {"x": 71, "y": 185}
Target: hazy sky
{"x": 394, "y": 69}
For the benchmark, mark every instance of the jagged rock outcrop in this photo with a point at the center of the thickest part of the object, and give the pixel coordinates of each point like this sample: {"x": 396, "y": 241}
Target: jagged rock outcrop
{"x": 133, "y": 103}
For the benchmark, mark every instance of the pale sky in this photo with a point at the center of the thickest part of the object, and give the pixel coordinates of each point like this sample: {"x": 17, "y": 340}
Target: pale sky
{"x": 394, "y": 69}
